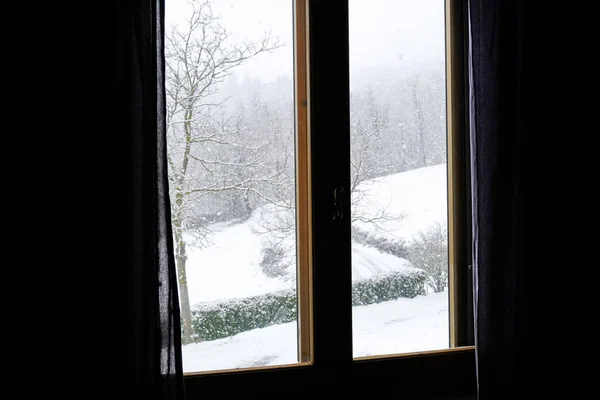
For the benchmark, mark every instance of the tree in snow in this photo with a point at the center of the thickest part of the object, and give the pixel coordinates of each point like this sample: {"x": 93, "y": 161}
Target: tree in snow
{"x": 406, "y": 114}
{"x": 428, "y": 100}
{"x": 369, "y": 156}
{"x": 209, "y": 154}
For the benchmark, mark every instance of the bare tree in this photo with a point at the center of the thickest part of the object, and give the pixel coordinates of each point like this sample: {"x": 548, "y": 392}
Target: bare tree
{"x": 427, "y": 92}
{"x": 369, "y": 123}
{"x": 208, "y": 153}
{"x": 420, "y": 120}
{"x": 433, "y": 111}
{"x": 369, "y": 157}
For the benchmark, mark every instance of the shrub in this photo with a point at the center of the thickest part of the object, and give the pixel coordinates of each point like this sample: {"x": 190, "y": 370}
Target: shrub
{"x": 429, "y": 252}
{"x": 388, "y": 286}
{"x": 274, "y": 262}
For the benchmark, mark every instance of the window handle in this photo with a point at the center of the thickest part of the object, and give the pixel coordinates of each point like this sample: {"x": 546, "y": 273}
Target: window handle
{"x": 338, "y": 206}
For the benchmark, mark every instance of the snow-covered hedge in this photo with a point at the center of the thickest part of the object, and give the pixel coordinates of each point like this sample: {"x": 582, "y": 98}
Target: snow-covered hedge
{"x": 225, "y": 318}
{"x": 396, "y": 247}
{"x": 388, "y": 286}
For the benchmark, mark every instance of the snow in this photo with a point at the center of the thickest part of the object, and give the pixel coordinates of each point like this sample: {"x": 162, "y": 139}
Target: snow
{"x": 367, "y": 261}
{"x": 401, "y": 326}
{"x": 420, "y": 193}
{"x": 229, "y": 268}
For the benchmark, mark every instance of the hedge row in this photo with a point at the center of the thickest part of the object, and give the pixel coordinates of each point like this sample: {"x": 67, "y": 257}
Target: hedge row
{"x": 388, "y": 286}
{"x": 225, "y": 318}
{"x": 396, "y": 247}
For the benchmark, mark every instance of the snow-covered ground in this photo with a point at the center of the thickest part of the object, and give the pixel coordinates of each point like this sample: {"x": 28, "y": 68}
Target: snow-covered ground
{"x": 399, "y": 326}
{"x": 229, "y": 268}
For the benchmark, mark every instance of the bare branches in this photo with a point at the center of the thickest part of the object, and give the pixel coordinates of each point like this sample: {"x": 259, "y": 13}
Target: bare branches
{"x": 212, "y": 155}
{"x": 201, "y": 55}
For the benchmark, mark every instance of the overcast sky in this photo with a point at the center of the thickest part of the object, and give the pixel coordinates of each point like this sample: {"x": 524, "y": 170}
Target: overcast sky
{"x": 402, "y": 34}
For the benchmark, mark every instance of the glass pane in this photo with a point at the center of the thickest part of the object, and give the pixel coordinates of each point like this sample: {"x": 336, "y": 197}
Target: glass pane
{"x": 230, "y": 110}
{"x": 398, "y": 181}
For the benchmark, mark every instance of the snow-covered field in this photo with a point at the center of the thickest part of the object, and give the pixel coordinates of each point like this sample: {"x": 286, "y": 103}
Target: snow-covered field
{"x": 229, "y": 268}
{"x": 400, "y": 326}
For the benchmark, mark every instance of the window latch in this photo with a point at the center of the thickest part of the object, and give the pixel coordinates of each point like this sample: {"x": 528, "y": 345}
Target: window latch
{"x": 338, "y": 206}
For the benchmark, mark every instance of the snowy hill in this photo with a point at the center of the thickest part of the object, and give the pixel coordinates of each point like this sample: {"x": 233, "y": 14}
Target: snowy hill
{"x": 421, "y": 194}
{"x": 229, "y": 267}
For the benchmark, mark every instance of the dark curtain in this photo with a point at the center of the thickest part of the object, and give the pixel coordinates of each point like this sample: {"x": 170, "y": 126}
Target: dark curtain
{"x": 155, "y": 364}
{"x": 496, "y": 72}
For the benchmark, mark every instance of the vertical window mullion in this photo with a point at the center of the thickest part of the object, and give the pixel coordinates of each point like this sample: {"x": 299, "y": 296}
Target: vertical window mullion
{"x": 330, "y": 161}
{"x": 303, "y": 189}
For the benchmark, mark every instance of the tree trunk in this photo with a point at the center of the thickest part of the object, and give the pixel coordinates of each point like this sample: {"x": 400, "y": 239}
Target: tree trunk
{"x": 184, "y": 298}
{"x": 420, "y": 123}
{"x": 247, "y": 205}
{"x": 180, "y": 250}
{"x": 403, "y": 146}
{"x": 186, "y": 312}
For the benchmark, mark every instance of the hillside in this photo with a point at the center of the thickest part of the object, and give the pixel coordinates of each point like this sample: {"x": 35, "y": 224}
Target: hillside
{"x": 229, "y": 267}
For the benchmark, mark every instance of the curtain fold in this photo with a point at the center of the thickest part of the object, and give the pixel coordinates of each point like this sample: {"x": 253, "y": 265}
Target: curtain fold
{"x": 154, "y": 341}
{"x": 496, "y": 123}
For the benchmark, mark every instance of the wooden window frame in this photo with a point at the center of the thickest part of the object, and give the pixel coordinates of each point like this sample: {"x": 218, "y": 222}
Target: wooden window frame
{"x": 324, "y": 245}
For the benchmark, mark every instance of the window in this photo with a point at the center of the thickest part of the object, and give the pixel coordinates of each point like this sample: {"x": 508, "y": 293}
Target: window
{"x": 322, "y": 206}
{"x": 232, "y": 162}
{"x": 398, "y": 174}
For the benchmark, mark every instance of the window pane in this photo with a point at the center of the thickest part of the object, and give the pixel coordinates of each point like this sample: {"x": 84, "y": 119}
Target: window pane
{"x": 398, "y": 181}
{"x": 230, "y": 110}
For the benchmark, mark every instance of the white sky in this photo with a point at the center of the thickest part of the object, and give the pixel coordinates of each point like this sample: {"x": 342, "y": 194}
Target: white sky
{"x": 402, "y": 34}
